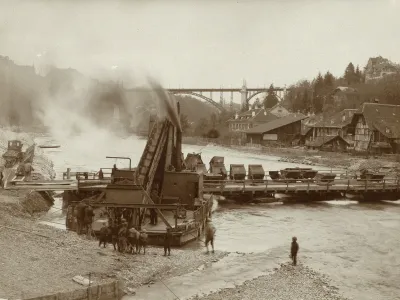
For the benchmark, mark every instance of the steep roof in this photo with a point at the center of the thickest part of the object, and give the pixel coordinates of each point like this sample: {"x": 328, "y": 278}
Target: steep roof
{"x": 277, "y": 123}
{"x": 338, "y": 120}
{"x": 320, "y": 140}
{"x": 345, "y": 89}
{"x": 382, "y": 117}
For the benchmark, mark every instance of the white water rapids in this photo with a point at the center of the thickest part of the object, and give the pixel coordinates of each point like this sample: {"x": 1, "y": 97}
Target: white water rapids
{"x": 356, "y": 245}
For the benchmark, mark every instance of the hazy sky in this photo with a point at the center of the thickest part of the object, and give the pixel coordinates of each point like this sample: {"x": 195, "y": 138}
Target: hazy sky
{"x": 203, "y": 43}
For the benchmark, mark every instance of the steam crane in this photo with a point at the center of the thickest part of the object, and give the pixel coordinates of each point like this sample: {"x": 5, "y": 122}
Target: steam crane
{"x": 159, "y": 183}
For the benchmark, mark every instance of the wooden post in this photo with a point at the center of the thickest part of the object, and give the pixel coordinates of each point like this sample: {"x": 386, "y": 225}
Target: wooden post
{"x": 116, "y": 290}
{"x": 68, "y": 173}
{"x": 384, "y": 185}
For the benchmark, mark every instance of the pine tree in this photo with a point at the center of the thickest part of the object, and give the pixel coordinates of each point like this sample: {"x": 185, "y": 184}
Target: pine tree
{"x": 319, "y": 86}
{"x": 329, "y": 79}
{"x": 358, "y": 75}
{"x": 350, "y": 74}
{"x": 271, "y": 100}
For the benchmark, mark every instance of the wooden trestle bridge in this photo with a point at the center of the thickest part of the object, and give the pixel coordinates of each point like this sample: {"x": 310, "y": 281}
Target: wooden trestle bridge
{"x": 387, "y": 188}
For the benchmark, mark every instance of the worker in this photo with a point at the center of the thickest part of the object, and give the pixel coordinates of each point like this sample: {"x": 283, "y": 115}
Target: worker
{"x": 133, "y": 239}
{"x": 80, "y": 216}
{"x": 122, "y": 237}
{"x": 143, "y": 241}
{"x": 101, "y": 175}
{"x": 114, "y": 235}
{"x": 293, "y": 250}
{"x": 104, "y": 233}
{"x": 210, "y": 235}
{"x": 167, "y": 242}
{"x": 153, "y": 216}
{"x": 89, "y": 214}
{"x": 1, "y": 179}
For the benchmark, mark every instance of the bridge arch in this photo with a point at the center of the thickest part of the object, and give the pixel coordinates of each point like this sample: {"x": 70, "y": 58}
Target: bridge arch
{"x": 207, "y": 99}
{"x": 261, "y": 92}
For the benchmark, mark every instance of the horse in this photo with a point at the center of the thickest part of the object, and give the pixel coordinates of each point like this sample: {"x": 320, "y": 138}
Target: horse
{"x": 210, "y": 235}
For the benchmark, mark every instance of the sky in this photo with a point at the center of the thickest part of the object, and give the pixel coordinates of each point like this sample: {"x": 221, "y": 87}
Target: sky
{"x": 202, "y": 43}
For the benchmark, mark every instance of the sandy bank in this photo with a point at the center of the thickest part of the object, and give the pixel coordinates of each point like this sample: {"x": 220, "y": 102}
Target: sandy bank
{"x": 38, "y": 260}
{"x": 286, "y": 283}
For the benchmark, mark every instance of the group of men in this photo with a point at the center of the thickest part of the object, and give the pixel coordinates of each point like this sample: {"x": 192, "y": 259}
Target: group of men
{"x": 84, "y": 217}
{"x": 129, "y": 239}
{"x": 124, "y": 238}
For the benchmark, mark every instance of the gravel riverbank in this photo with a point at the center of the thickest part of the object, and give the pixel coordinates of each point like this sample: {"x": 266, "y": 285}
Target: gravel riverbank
{"x": 285, "y": 283}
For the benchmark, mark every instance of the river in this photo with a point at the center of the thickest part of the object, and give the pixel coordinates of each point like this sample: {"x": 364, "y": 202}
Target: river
{"x": 356, "y": 245}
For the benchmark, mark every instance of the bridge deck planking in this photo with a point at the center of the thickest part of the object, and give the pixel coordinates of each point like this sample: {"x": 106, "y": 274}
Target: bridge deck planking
{"x": 227, "y": 187}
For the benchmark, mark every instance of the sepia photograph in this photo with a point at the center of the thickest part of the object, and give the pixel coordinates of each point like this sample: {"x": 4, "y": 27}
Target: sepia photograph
{"x": 199, "y": 150}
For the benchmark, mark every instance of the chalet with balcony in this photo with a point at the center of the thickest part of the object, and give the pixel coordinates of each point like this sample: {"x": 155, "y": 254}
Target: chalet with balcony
{"x": 376, "y": 128}
{"x": 281, "y": 131}
{"x": 333, "y": 133}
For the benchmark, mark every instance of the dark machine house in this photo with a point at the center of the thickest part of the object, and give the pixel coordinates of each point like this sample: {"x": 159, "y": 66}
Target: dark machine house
{"x": 281, "y": 131}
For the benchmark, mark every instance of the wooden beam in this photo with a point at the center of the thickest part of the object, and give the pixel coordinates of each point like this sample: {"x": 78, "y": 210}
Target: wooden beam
{"x": 138, "y": 205}
{"x": 157, "y": 209}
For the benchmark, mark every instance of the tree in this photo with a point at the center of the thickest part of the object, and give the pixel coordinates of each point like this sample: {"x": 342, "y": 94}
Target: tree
{"x": 213, "y": 134}
{"x": 271, "y": 100}
{"x": 329, "y": 80}
{"x": 213, "y": 120}
{"x": 350, "y": 74}
{"x": 202, "y": 127}
{"x": 184, "y": 123}
{"x": 358, "y": 75}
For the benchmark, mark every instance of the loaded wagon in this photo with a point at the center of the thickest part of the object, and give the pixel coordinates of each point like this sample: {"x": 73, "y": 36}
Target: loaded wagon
{"x": 274, "y": 175}
{"x": 237, "y": 172}
{"x": 256, "y": 172}
{"x": 325, "y": 177}
{"x": 217, "y": 166}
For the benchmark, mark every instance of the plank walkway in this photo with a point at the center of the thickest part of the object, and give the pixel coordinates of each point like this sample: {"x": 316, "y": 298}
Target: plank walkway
{"x": 228, "y": 186}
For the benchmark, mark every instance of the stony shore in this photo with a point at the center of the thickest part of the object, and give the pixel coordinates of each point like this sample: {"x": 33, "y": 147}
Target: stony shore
{"x": 299, "y": 155}
{"x": 285, "y": 283}
{"x": 30, "y": 249}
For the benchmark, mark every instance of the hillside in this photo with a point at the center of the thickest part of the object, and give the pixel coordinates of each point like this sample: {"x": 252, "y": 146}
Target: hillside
{"x": 24, "y": 96}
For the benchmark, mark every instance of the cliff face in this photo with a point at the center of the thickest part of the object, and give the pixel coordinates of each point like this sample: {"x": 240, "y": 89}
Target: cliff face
{"x": 379, "y": 67}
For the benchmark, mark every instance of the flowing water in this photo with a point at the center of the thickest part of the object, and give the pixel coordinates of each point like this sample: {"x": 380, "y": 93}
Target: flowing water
{"x": 356, "y": 245}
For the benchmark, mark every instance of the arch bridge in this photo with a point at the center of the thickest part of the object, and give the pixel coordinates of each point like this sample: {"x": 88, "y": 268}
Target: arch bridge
{"x": 206, "y": 94}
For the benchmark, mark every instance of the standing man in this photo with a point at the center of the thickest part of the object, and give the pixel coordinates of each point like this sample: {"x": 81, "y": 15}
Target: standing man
{"x": 167, "y": 242}
{"x": 293, "y": 250}
{"x": 1, "y": 178}
{"x": 104, "y": 233}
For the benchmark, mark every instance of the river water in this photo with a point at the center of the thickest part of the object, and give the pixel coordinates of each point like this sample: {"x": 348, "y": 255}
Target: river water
{"x": 356, "y": 245}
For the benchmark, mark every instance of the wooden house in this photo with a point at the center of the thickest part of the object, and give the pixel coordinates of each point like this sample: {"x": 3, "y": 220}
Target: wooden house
{"x": 249, "y": 119}
{"x": 325, "y": 130}
{"x": 281, "y": 131}
{"x": 376, "y": 128}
